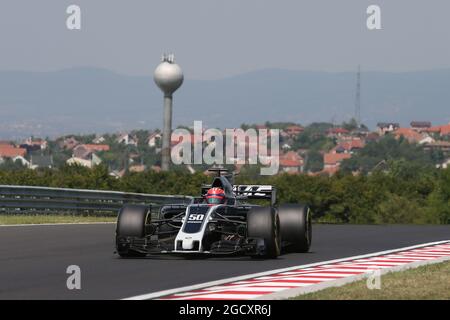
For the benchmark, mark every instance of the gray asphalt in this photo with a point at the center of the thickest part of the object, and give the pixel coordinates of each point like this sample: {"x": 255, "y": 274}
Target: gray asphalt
{"x": 33, "y": 259}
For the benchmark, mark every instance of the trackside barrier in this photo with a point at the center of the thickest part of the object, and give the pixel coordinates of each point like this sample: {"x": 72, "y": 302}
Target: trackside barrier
{"x": 42, "y": 200}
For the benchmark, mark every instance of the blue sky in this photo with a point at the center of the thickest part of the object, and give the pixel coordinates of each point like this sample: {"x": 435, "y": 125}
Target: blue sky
{"x": 214, "y": 39}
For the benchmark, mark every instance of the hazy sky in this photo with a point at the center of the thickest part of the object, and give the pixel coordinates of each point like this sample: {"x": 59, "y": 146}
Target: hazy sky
{"x": 213, "y": 39}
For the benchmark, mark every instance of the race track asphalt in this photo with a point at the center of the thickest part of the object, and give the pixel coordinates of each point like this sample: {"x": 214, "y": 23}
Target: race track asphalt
{"x": 34, "y": 259}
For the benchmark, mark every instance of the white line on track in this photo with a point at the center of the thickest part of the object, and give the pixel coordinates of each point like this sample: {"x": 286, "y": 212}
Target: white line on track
{"x": 163, "y": 293}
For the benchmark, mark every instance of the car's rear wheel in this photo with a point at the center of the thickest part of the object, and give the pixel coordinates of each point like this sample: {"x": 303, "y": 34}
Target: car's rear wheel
{"x": 296, "y": 227}
{"x": 131, "y": 223}
{"x": 264, "y": 223}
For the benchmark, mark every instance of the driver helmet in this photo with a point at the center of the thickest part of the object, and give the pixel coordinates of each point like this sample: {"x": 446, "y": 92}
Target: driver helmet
{"x": 215, "y": 196}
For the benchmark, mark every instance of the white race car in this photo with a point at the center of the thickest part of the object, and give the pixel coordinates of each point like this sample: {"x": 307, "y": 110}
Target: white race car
{"x": 231, "y": 228}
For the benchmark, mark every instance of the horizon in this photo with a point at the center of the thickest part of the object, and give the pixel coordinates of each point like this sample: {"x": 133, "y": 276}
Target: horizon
{"x": 31, "y": 104}
{"x": 157, "y": 129}
{"x": 186, "y": 76}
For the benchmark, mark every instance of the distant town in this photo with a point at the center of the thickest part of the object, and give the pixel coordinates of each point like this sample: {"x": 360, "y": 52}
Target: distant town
{"x": 315, "y": 149}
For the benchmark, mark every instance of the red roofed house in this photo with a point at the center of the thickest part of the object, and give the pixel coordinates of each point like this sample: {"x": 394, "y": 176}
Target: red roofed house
{"x": 291, "y": 162}
{"x": 84, "y": 151}
{"x": 332, "y": 161}
{"x": 441, "y": 130}
{"x": 445, "y": 130}
{"x": 97, "y": 147}
{"x": 435, "y": 129}
{"x": 420, "y": 126}
{"x": 348, "y": 146}
{"x": 409, "y": 134}
{"x": 337, "y": 132}
{"x": 9, "y": 151}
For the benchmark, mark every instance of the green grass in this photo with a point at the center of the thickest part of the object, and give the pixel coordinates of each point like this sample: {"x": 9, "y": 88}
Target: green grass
{"x": 431, "y": 282}
{"x": 40, "y": 219}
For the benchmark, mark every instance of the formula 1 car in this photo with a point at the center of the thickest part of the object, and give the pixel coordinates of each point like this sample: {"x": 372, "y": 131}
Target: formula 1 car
{"x": 235, "y": 227}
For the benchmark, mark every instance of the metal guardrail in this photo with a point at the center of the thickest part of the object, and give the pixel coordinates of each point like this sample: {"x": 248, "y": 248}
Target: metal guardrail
{"x": 42, "y": 200}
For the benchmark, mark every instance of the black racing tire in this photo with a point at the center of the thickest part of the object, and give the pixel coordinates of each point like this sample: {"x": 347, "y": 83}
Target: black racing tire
{"x": 296, "y": 227}
{"x": 131, "y": 222}
{"x": 264, "y": 223}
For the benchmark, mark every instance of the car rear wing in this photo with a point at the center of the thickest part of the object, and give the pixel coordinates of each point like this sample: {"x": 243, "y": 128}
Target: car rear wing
{"x": 256, "y": 192}
{"x": 250, "y": 191}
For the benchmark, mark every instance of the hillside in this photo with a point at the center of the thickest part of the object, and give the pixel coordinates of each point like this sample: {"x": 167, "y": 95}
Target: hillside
{"x": 83, "y": 100}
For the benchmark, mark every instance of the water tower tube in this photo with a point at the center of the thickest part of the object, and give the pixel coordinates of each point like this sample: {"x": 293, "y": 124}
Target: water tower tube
{"x": 168, "y": 77}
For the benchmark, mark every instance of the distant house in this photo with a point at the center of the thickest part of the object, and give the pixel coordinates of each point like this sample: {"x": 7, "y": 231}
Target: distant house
{"x": 443, "y": 146}
{"x": 440, "y": 130}
{"x": 97, "y": 147}
{"x": 83, "y": 151}
{"x": 386, "y": 127}
{"x": 409, "y": 134}
{"x": 154, "y": 139}
{"x": 10, "y": 151}
{"x": 348, "y": 146}
{"x": 382, "y": 166}
{"x": 420, "y": 126}
{"x": 291, "y": 162}
{"x": 337, "y": 132}
{"x": 41, "y": 161}
{"x": 445, "y": 130}
{"x": 39, "y": 144}
{"x": 99, "y": 140}
{"x": 332, "y": 161}
{"x": 69, "y": 143}
{"x": 22, "y": 160}
{"x": 89, "y": 162}
{"x": 372, "y": 137}
{"x": 127, "y": 139}
{"x": 427, "y": 140}
{"x": 137, "y": 168}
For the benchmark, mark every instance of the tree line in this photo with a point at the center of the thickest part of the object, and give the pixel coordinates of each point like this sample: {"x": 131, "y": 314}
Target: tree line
{"x": 404, "y": 193}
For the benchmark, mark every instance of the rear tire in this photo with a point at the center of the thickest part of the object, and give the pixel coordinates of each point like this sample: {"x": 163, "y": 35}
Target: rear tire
{"x": 296, "y": 226}
{"x": 264, "y": 223}
{"x": 131, "y": 223}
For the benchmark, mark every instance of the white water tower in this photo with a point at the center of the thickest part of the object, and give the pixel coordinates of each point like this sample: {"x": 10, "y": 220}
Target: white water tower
{"x": 168, "y": 77}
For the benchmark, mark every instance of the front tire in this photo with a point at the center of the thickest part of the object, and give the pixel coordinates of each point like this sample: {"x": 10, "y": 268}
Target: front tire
{"x": 296, "y": 226}
{"x": 131, "y": 223}
{"x": 264, "y": 223}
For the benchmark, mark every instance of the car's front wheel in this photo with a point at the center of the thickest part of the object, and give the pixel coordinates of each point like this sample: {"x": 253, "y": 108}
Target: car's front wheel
{"x": 131, "y": 223}
{"x": 264, "y": 223}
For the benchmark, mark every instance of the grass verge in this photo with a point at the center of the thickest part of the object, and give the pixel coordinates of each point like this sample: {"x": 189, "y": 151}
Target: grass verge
{"x": 40, "y": 219}
{"x": 430, "y": 282}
